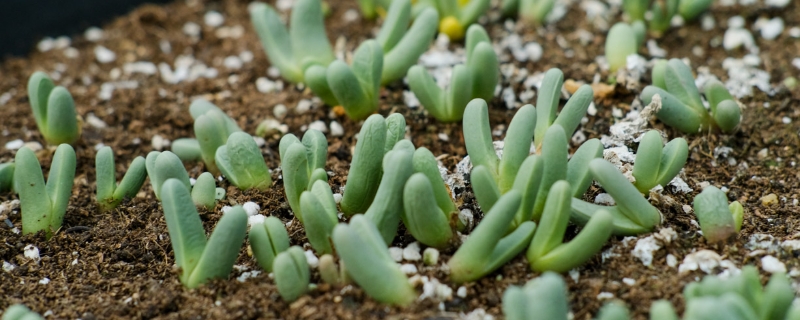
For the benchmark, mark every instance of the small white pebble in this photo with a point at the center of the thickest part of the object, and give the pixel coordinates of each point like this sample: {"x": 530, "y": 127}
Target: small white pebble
{"x": 772, "y": 265}
{"x": 350, "y": 15}
{"x": 44, "y": 281}
{"x": 159, "y": 143}
{"x": 786, "y": 120}
{"x": 104, "y": 55}
{"x": 94, "y": 121}
{"x": 461, "y": 292}
{"x": 256, "y": 219}
{"x": 411, "y": 252}
{"x": 442, "y": 136}
{"x": 7, "y": 267}
{"x": 408, "y": 268}
{"x": 251, "y": 208}
{"x": 213, "y": 19}
{"x": 396, "y": 254}
{"x": 772, "y": 28}
{"x": 312, "y": 259}
{"x": 628, "y": 281}
{"x": 605, "y": 295}
{"x": 336, "y": 129}
{"x": 14, "y": 144}
{"x": 191, "y": 29}
{"x": 337, "y": 197}
{"x": 71, "y": 53}
{"x": 604, "y": 199}
{"x": 94, "y": 34}
{"x": 31, "y": 252}
{"x": 318, "y": 125}
{"x": 232, "y": 62}
{"x": 45, "y": 44}
{"x": 302, "y": 106}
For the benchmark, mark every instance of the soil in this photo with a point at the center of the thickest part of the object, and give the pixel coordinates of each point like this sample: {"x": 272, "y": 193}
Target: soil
{"x": 120, "y": 264}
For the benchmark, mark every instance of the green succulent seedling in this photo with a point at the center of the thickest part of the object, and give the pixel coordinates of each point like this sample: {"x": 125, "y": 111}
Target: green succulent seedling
{"x": 740, "y": 297}
{"x": 614, "y": 310}
{"x": 662, "y": 310}
{"x": 656, "y": 165}
{"x": 109, "y": 193}
{"x": 295, "y": 50}
{"x": 622, "y": 41}
{"x": 455, "y": 16}
{"x": 718, "y": 220}
{"x": 386, "y": 209}
{"x": 488, "y": 247}
{"x": 632, "y": 214}
{"x": 187, "y": 149}
{"x": 267, "y": 240}
{"x": 162, "y": 166}
{"x": 54, "y": 110}
{"x": 691, "y": 9}
{"x": 547, "y": 104}
{"x": 373, "y": 8}
{"x": 403, "y": 45}
{"x": 355, "y": 88}
{"x": 547, "y": 251}
{"x": 7, "y": 177}
{"x": 20, "y": 312}
{"x": 212, "y": 127}
{"x": 544, "y": 297}
{"x": 533, "y": 11}
{"x": 43, "y": 205}
{"x": 205, "y": 191}
{"x": 291, "y": 273}
{"x": 476, "y": 78}
{"x": 241, "y": 162}
{"x": 662, "y": 12}
{"x": 681, "y": 105}
{"x": 320, "y": 216}
{"x": 429, "y": 213}
{"x": 361, "y": 248}
{"x": 329, "y": 271}
{"x": 302, "y": 164}
{"x": 376, "y": 138}
{"x": 532, "y": 176}
{"x": 199, "y": 258}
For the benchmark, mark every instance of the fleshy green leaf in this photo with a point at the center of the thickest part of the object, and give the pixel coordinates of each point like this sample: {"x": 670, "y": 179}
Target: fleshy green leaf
{"x": 423, "y": 217}
{"x": 478, "y": 138}
{"x": 517, "y": 146}
{"x": 309, "y": 42}
{"x": 203, "y": 191}
{"x": 716, "y": 220}
{"x": 240, "y": 160}
{"x": 222, "y": 248}
{"x": 35, "y": 204}
{"x": 59, "y": 185}
{"x": 554, "y": 152}
{"x": 620, "y": 43}
{"x": 387, "y": 208}
{"x": 267, "y": 240}
{"x": 547, "y": 103}
{"x": 187, "y": 149}
{"x": 61, "y": 118}
{"x": 414, "y": 43}
{"x": 291, "y": 273}
{"x": 365, "y": 167}
{"x": 578, "y": 167}
{"x": 186, "y": 231}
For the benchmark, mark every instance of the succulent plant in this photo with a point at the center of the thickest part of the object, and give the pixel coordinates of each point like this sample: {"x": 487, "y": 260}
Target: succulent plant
{"x": 547, "y": 251}
{"x": 632, "y": 214}
{"x": 7, "y": 176}
{"x": 20, "y": 312}
{"x": 205, "y": 191}
{"x": 681, "y": 104}
{"x": 320, "y": 216}
{"x": 490, "y": 245}
{"x": 614, "y": 310}
{"x": 718, "y": 220}
{"x": 371, "y": 8}
{"x": 367, "y": 260}
{"x": 43, "y": 205}
{"x": 544, "y": 297}
{"x": 291, "y": 273}
{"x": 387, "y": 207}
{"x": 403, "y": 45}
{"x": 109, "y": 193}
{"x": 293, "y": 51}
{"x": 656, "y": 165}
{"x": 547, "y": 104}
{"x": 377, "y": 137}
{"x": 200, "y": 259}
{"x": 162, "y": 166}
{"x": 476, "y": 78}
{"x": 268, "y": 239}
{"x": 212, "y": 127}
{"x": 622, "y": 41}
{"x": 328, "y": 270}
{"x": 302, "y": 164}
{"x": 534, "y": 11}
{"x": 662, "y": 12}
{"x": 691, "y": 9}
{"x": 428, "y": 210}
{"x": 241, "y": 162}
{"x": 54, "y": 110}
{"x": 187, "y": 149}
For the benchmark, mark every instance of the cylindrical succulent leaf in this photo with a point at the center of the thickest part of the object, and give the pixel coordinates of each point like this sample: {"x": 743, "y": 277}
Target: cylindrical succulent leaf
{"x": 635, "y": 9}
{"x": 578, "y": 167}
{"x": 105, "y": 173}
{"x": 570, "y": 116}
{"x": 294, "y": 168}
{"x": 6, "y": 177}
{"x": 673, "y": 159}
{"x": 620, "y": 43}
{"x": 204, "y": 190}
{"x": 527, "y": 183}
{"x": 187, "y": 149}
{"x": 131, "y": 182}
{"x": 211, "y": 133}
{"x": 662, "y": 310}
{"x": 275, "y": 40}
{"x": 458, "y": 94}
{"x": 221, "y": 249}
{"x": 61, "y": 118}
{"x": 547, "y": 103}
{"x": 59, "y": 185}
{"x": 674, "y": 112}
{"x": 365, "y": 167}
{"x": 535, "y": 11}
{"x": 580, "y": 249}
{"x": 648, "y": 160}
{"x": 186, "y": 231}
{"x": 478, "y": 138}
{"x": 517, "y": 146}
{"x": 316, "y": 146}
{"x": 35, "y": 204}
{"x": 484, "y": 66}
{"x": 316, "y": 78}
{"x": 424, "y": 162}
{"x": 318, "y": 223}
{"x": 727, "y": 115}
{"x": 658, "y": 73}
{"x": 165, "y": 165}
{"x": 368, "y": 262}
{"x": 387, "y": 207}
{"x": 423, "y": 217}
{"x": 680, "y": 82}
{"x": 267, "y": 240}
{"x": 716, "y": 220}
{"x": 39, "y": 88}
{"x": 553, "y": 223}
{"x": 484, "y": 187}
{"x": 309, "y": 42}
{"x": 405, "y": 53}
{"x": 328, "y": 270}
{"x": 629, "y": 201}
{"x": 291, "y": 273}
{"x": 20, "y": 312}
{"x": 430, "y": 96}
{"x": 690, "y": 9}
{"x": 614, "y": 310}
{"x": 778, "y": 297}
{"x": 544, "y": 297}
{"x": 240, "y": 160}
{"x": 554, "y": 154}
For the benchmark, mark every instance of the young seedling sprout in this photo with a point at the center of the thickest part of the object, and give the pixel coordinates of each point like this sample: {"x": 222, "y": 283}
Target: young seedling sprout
{"x": 377, "y": 137}
{"x": 661, "y": 12}
{"x": 291, "y": 273}
{"x": 320, "y": 217}
{"x": 302, "y": 164}
{"x": 43, "y": 205}
{"x": 387, "y": 207}
{"x": 109, "y": 194}
{"x": 199, "y": 258}
{"x": 293, "y": 51}
{"x": 456, "y": 15}
{"x": 53, "y": 109}
{"x": 681, "y": 104}
{"x": 212, "y": 127}
{"x": 361, "y": 248}
{"x": 544, "y": 297}
{"x": 656, "y": 165}
{"x": 403, "y": 45}
{"x": 533, "y": 11}
{"x": 474, "y": 79}
{"x": 622, "y": 41}
{"x": 241, "y": 162}
{"x": 718, "y": 220}
{"x": 162, "y": 166}
{"x": 7, "y": 177}
{"x": 268, "y": 239}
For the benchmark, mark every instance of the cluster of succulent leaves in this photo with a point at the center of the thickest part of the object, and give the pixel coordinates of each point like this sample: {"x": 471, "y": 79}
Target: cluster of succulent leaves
{"x": 623, "y": 40}
{"x": 53, "y": 109}
{"x": 476, "y": 78}
{"x": 534, "y": 11}
{"x": 303, "y": 53}
{"x": 43, "y": 205}
{"x": 20, "y": 312}
{"x": 738, "y": 297}
{"x": 718, "y": 219}
{"x": 662, "y": 11}
{"x": 681, "y": 104}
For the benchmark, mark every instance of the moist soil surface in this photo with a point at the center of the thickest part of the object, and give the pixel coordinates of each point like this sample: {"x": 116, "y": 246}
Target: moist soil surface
{"x": 119, "y": 264}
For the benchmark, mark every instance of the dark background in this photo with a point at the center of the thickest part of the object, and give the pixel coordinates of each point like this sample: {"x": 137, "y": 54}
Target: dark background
{"x": 24, "y": 22}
